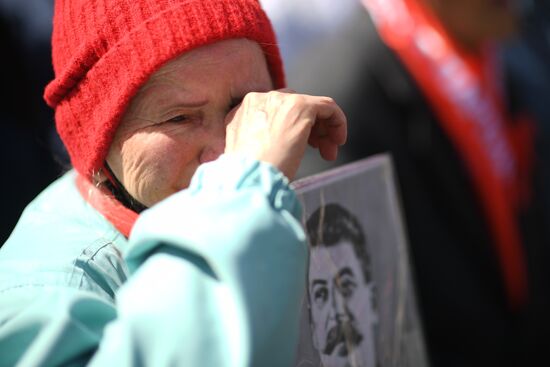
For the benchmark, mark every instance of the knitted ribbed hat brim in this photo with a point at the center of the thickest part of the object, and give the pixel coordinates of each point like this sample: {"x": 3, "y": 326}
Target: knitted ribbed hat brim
{"x": 92, "y": 90}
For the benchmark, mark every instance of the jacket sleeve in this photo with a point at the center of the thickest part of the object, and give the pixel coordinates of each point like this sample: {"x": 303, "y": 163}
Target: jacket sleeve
{"x": 217, "y": 278}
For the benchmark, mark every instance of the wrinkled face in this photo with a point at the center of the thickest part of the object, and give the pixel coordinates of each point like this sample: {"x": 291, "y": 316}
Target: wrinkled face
{"x": 341, "y": 307}
{"x": 176, "y": 120}
{"x": 475, "y": 21}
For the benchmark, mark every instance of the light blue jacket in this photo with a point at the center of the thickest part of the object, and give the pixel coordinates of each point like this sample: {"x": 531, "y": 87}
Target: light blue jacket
{"x": 212, "y": 276}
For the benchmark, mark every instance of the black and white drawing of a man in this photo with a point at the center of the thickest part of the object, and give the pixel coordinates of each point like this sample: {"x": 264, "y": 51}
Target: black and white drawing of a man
{"x": 341, "y": 290}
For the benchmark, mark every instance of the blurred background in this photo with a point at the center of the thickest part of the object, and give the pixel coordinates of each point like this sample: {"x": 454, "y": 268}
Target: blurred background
{"x": 31, "y": 155}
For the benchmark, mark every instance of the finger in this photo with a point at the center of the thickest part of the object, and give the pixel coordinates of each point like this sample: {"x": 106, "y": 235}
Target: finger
{"x": 231, "y": 114}
{"x": 327, "y": 108}
{"x": 335, "y": 134}
{"x": 313, "y": 140}
{"x": 328, "y": 150}
{"x": 338, "y": 134}
{"x": 331, "y": 120}
{"x": 286, "y": 90}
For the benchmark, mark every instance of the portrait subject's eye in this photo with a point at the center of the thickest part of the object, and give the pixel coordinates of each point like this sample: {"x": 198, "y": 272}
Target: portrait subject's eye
{"x": 320, "y": 295}
{"x": 347, "y": 287}
{"x": 345, "y": 282}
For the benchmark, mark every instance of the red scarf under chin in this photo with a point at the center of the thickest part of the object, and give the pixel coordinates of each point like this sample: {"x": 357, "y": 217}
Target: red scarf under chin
{"x": 465, "y": 94}
{"x": 117, "y": 214}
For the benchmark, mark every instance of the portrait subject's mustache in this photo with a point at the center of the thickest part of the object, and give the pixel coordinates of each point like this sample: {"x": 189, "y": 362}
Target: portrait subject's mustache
{"x": 343, "y": 333}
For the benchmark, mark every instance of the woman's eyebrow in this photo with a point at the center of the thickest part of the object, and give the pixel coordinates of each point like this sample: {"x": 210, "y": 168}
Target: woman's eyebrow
{"x": 173, "y": 100}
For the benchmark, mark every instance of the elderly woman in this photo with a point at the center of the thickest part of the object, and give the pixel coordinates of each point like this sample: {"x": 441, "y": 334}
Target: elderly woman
{"x": 176, "y": 106}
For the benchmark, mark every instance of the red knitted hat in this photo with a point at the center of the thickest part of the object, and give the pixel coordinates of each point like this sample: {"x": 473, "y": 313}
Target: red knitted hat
{"x": 105, "y": 50}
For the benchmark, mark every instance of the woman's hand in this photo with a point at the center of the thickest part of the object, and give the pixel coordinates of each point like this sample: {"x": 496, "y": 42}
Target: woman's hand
{"x": 275, "y": 127}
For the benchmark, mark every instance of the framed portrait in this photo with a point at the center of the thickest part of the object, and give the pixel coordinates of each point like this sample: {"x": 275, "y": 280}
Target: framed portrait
{"x": 359, "y": 309}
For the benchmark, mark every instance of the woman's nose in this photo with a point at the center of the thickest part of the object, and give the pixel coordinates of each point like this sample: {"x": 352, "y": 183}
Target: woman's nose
{"x": 214, "y": 144}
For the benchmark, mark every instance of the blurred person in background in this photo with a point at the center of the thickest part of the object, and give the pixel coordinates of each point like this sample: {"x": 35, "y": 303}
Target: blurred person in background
{"x": 527, "y": 59}
{"x": 176, "y": 239}
{"x": 30, "y": 148}
{"x": 425, "y": 81}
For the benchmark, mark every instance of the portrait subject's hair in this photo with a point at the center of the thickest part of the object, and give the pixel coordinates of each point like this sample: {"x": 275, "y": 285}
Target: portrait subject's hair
{"x": 331, "y": 224}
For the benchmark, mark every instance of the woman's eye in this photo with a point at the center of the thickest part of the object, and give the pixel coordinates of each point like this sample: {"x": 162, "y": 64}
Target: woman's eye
{"x": 178, "y": 118}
